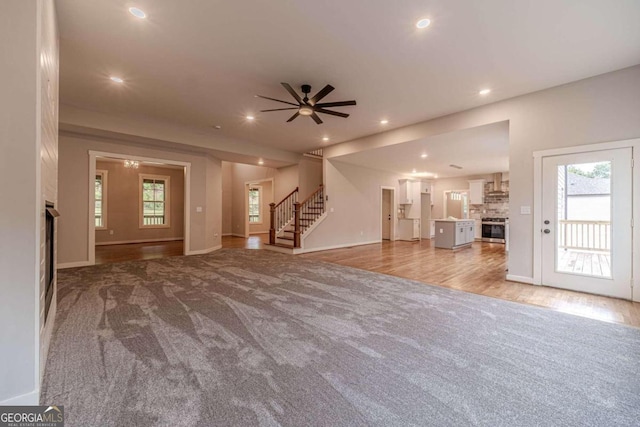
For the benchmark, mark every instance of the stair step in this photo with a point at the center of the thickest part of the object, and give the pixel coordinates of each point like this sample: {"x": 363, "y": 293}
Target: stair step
{"x": 285, "y": 238}
{"x": 283, "y": 246}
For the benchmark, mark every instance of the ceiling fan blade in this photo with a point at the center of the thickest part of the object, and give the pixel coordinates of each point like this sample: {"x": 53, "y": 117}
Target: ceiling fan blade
{"x": 335, "y": 104}
{"x": 292, "y": 92}
{"x": 333, "y": 113}
{"x": 293, "y": 117}
{"x": 324, "y": 92}
{"x": 277, "y": 100}
{"x": 315, "y": 117}
{"x": 279, "y": 109}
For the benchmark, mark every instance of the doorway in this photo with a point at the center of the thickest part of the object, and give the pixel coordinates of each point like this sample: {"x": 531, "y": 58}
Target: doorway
{"x": 387, "y": 217}
{"x": 258, "y": 195}
{"x": 586, "y": 222}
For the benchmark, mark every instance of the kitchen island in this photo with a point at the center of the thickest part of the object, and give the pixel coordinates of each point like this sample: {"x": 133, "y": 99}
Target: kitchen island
{"x": 454, "y": 233}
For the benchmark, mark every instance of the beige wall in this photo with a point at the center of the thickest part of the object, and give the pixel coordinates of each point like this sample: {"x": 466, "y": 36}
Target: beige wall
{"x": 447, "y": 184}
{"x": 28, "y": 164}
{"x": 599, "y": 109}
{"x": 286, "y": 180}
{"x": 355, "y": 195}
{"x": 123, "y": 203}
{"x": 310, "y": 176}
{"x": 205, "y": 192}
{"x": 227, "y": 198}
{"x": 241, "y": 175}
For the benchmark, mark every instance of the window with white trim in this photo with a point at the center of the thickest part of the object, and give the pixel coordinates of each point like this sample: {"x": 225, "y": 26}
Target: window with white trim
{"x": 101, "y": 199}
{"x": 255, "y": 204}
{"x": 154, "y": 201}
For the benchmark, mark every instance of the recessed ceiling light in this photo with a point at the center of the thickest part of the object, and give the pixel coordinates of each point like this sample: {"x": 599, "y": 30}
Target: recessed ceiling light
{"x": 423, "y": 23}
{"x": 384, "y": 122}
{"x": 325, "y": 139}
{"x": 217, "y": 127}
{"x": 250, "y": 117}
{"x": 138, "y": 13}
{"x": 485, "y": 92}
{"x": 413, "y": 171}
{"x": 435, "y": 175}
{"x": 261, "y": 162}
{"x": 424, "y": 156}
{"x": 116, "y": 79}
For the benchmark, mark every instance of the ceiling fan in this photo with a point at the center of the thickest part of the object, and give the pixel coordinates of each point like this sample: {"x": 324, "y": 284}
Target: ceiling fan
{"x": 309, "y": 106}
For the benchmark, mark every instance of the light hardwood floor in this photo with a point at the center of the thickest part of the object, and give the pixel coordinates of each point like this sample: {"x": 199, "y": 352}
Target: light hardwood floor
{"x": 480, "y": 269}
{"x": 136, "y": 251}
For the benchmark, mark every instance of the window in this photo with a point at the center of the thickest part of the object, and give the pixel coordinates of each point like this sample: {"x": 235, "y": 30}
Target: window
{"x": 101, "y": 199}
{"x": 154, "y": 201}
{"x": 255, "y": 209}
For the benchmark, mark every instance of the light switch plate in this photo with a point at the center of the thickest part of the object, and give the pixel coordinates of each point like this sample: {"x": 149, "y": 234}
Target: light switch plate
{"x": 525, "y": 210}
{"x": 199, "y": 209}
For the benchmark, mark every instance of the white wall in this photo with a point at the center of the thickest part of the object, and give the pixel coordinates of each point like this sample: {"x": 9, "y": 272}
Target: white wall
{"x": 355, "y": 195}
{"x": 310, "y": 176}
{"x": 599, "y": 109}
{"x": 206, "y": 192}
{"x": 28, "y": 76}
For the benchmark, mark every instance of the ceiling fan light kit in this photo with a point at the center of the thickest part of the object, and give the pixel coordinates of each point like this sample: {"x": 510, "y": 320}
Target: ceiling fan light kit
{"x": 309, "y": 106}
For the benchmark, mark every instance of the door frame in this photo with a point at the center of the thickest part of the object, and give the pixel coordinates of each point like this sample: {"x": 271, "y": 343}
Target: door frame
{"x": 394, "y": 212}
{"x": 265, "y": 215}
{"x": 537, "y": 204}
{"x": 93, "y": 154}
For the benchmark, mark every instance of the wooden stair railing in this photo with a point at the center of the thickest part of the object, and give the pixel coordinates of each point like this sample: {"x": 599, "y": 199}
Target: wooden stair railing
{"x": 281, "y": 214}
{"x": 306, "y": 213}
{"x": 299, "y": 215}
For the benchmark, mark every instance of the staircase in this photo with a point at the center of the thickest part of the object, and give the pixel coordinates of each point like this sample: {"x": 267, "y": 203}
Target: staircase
{"x": 290, "y": 219}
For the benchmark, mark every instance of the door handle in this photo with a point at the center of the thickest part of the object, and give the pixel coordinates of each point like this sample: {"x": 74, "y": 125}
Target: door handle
{"x": 546, "y": 231}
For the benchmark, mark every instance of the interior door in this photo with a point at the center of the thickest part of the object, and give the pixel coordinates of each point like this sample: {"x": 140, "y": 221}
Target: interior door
{"x": 587, "y": 222}
{"x": 386, "y": 214}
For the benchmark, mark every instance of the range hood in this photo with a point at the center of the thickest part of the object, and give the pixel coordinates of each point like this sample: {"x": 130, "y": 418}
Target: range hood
{"x": 497, "y": 185}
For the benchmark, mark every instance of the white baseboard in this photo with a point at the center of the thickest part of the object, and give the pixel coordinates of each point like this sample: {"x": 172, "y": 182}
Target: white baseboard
{"x": 73, "y": 264}
{"x": 521, "y": 279}
{"x": 204, "y": 251}
{"x": 226, "y": 234}
{"x": 128, "y": 242}
{"x": 345, "y": 245}
{"x": 238, "y": 235}
{"x": 258, "y": 232}
{"x": 31, "y": 398}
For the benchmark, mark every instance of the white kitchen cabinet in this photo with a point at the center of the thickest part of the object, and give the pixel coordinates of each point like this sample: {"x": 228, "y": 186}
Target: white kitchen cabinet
{"x": 476, "y": 191}
{"x": 405, "y": 193}
{"x": 454, "y": 234}
{"x": 409, "y": 229}
{"x": 426, "y": 187}
{"x": 478, "y": 230}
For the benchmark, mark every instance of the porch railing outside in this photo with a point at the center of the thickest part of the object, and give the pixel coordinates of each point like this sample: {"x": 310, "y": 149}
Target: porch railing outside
{"x": 586, "y": 235}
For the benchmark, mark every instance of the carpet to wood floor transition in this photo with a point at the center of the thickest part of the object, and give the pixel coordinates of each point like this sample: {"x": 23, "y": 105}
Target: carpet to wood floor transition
{"x": 241, "y": 337}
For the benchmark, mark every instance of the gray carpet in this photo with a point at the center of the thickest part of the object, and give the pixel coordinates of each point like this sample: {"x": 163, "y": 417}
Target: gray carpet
{"x": 246, "y": 338}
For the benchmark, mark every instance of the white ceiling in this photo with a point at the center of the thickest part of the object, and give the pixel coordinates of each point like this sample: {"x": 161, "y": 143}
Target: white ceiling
{"x": 199, "y": 63}
{"x": 479, "y": 150}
